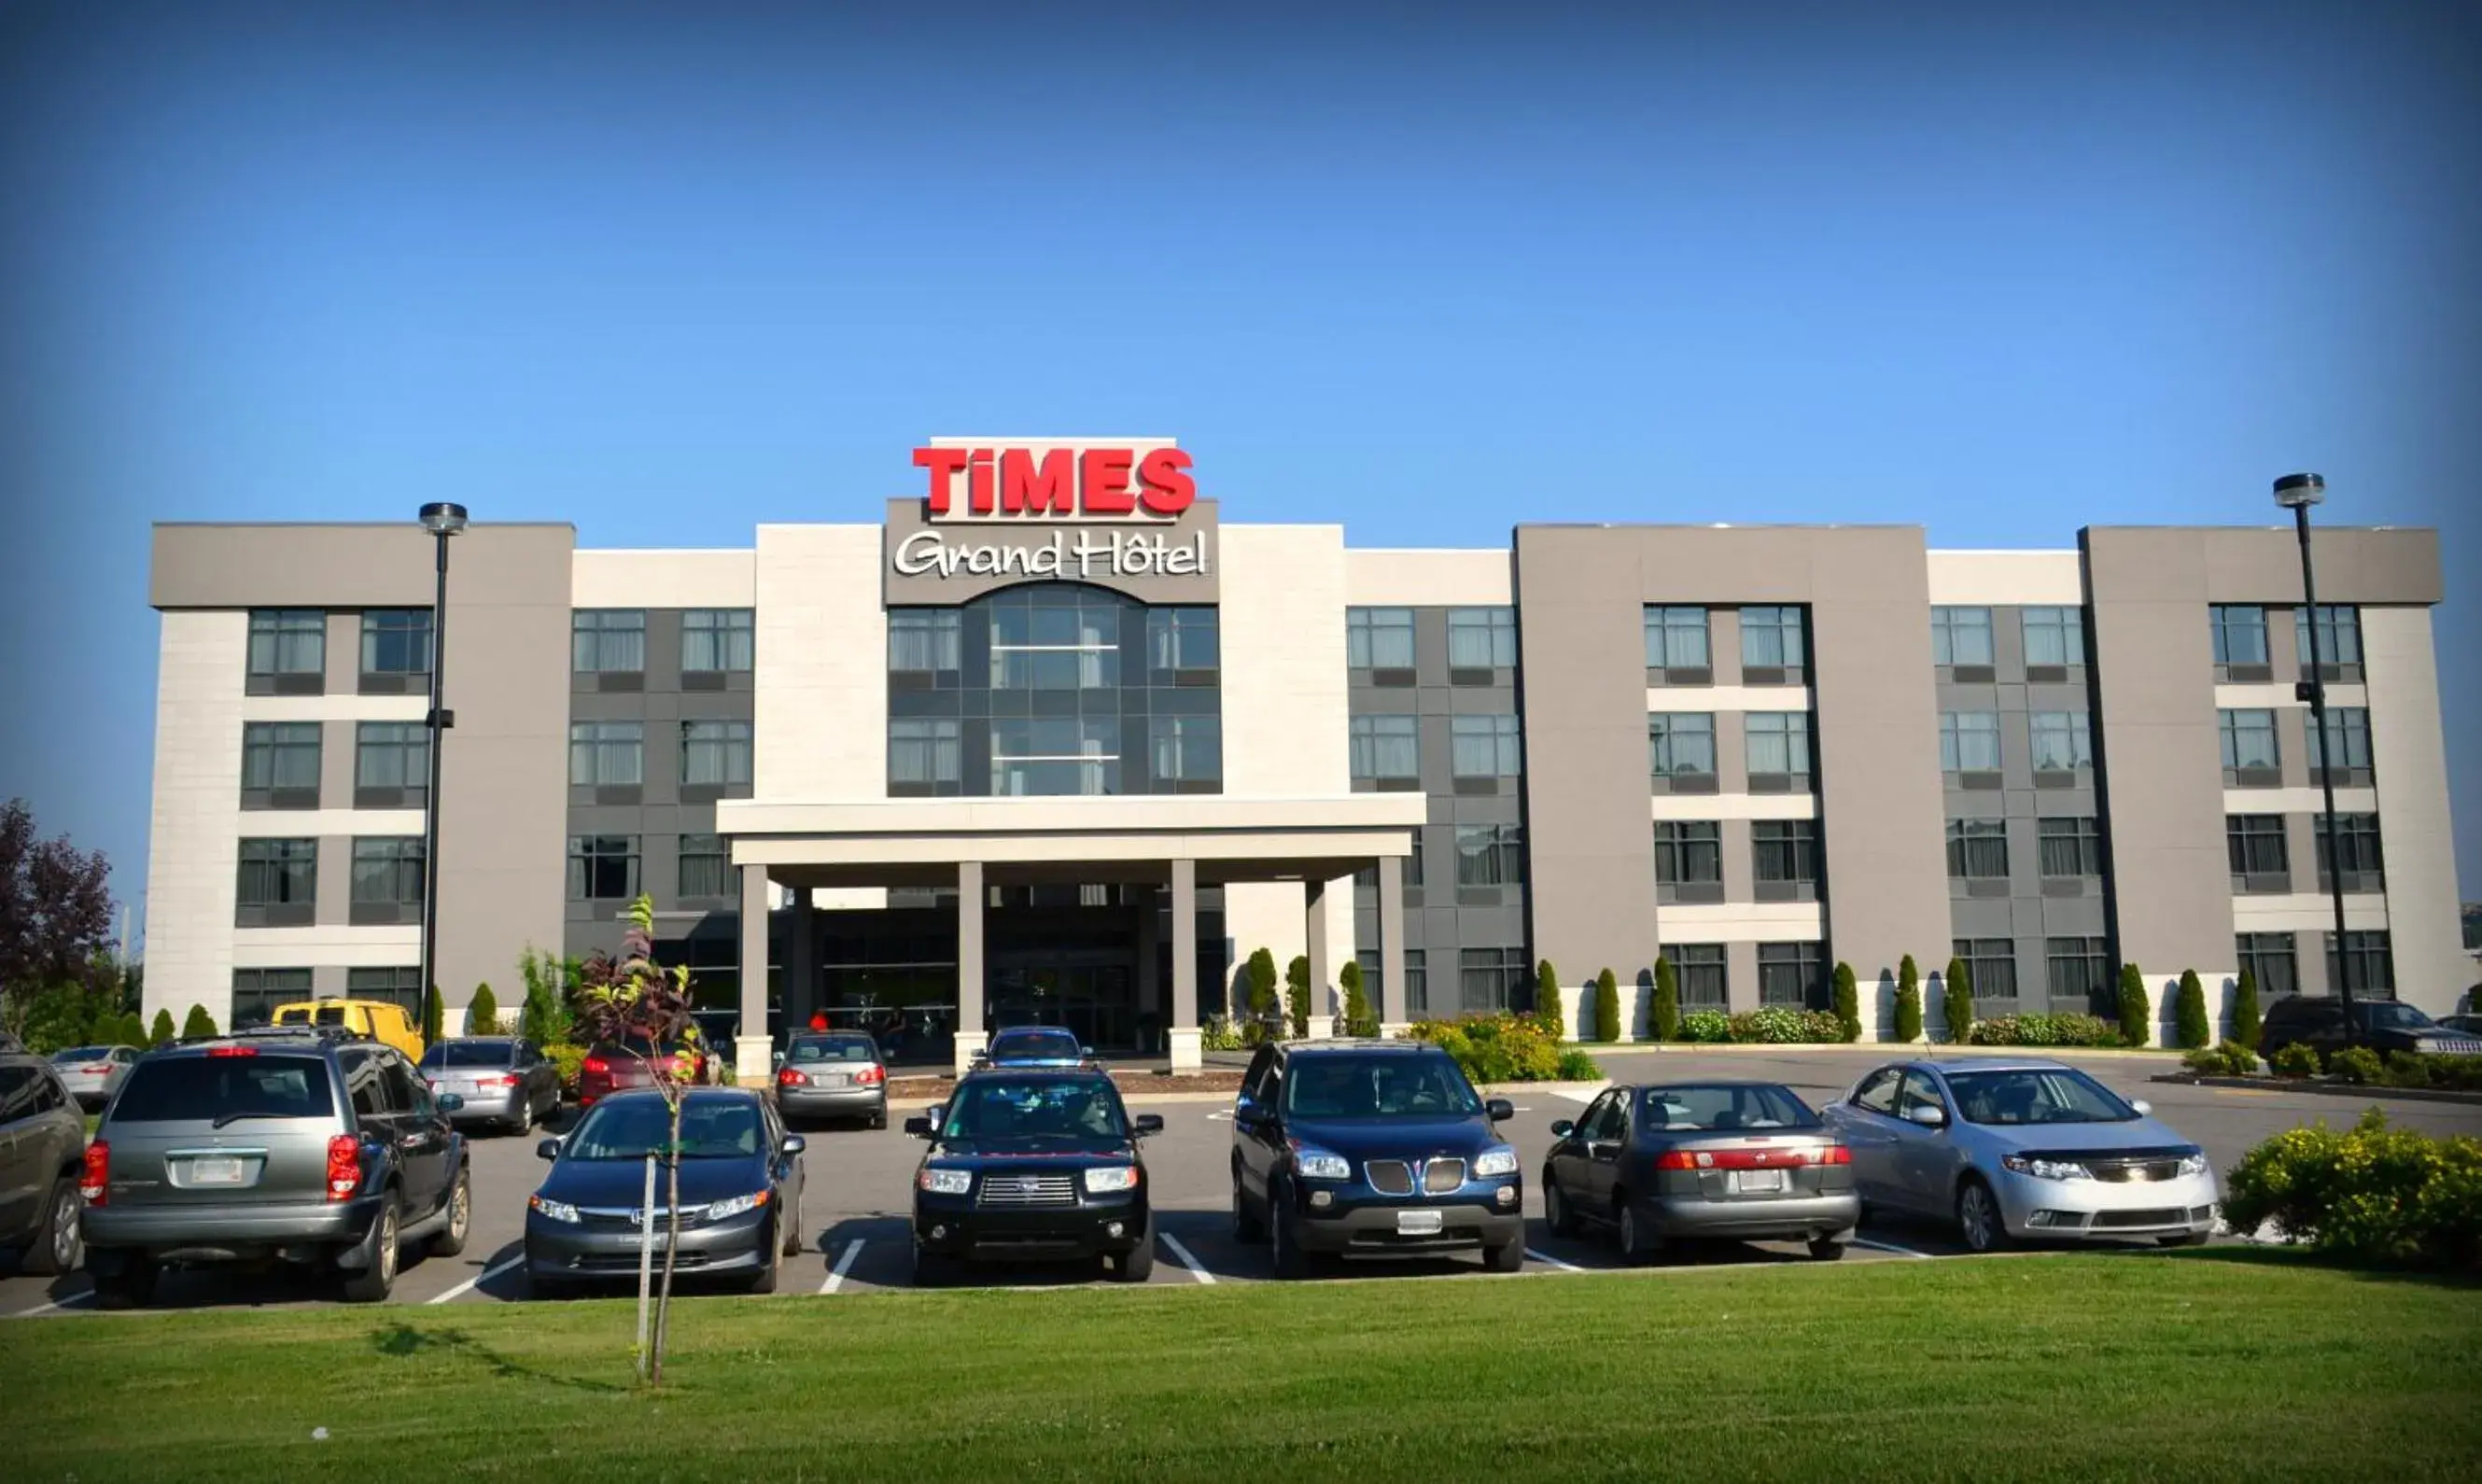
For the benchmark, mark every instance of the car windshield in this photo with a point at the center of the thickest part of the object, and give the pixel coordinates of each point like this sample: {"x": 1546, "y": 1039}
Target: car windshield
{"x": 1720, "y": 1108}
{"x": 83, "y": 1053}
{"x": 2036, "y": 1096}
{"x": 1057, "y": 1045}
{"x": 1073, "y": 1109}
{"x": 2391, "y": 1016}
{"x": 634, "y": 1127}
{"x": 1390, "y": 1086}
{"x": 250, "y": 1085}
{"x": 833, "y": 1049}
{"x": 468, "y": 1053}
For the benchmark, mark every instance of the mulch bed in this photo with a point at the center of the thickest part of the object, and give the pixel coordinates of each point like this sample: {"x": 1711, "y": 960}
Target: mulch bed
{"x": 1130, "y": 1083}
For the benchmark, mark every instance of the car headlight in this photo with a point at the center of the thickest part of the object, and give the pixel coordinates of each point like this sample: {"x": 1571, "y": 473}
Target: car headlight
{"x": 736, "y": 1206}
{"x": 1311, "y": 1162}
{"x": 556, "y": 1210}
{"x": 2048, "y": 1169}
{"x": 2193, "y": 1164}
{"x": 1500, "y": 1160}
{"x": 945, "y": 1182}
{"x": 1111, "y": 1176}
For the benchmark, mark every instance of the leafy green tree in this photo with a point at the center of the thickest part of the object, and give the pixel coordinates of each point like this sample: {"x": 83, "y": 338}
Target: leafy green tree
{"x": 434, "y": 1018}
{"x": 162, "y": 1033}
{"x": 2190, "y": 1009}
{"x": 2136, "y": 1027}
{"x": 483, "y": 1014}
{"x": 1666, "y": 999}
{"x": 1297, "y": 995}
{"x": 1358, "y": 1019}
{"x": 1909, "y": 1001}
{"x": 2245, "y": 1016}
{"x": 1956, "y": 1001}
{"x": 1848, "y": 1003}
{"x": 1607, "y": 1007}
{"x": 544, "y": 1018}
{"x": 199, "y": 1025}
{"x": 1547, "y": 1008}
{"x": 1263, "y": 995}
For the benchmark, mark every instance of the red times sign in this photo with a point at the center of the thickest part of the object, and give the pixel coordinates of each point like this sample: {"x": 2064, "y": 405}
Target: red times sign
{"x": 1058, "y": 483}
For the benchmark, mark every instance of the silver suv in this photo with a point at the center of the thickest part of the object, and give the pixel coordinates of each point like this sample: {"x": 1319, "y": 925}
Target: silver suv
{"x": 308, "y": 1147}
{"x": 40, "y": 1134}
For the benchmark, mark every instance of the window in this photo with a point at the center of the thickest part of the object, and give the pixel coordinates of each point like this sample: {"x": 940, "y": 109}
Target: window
{"x": 287, "y": 642}
{"x": 1386, "y": 751}
{"x": 1977, "y": 849}
{"x": 607, "y": 641}
{"x": 2356, "y": 851}
{"x": 1055, "y": 639}
{"x": 1482, "y": 638}
{"x": 603, "y": 867}
{"x": 1491, "y": 855}
{"x": 1491, "y": 979}
{"x": 2346, "y": 739}
{"x": 1417, "y": 984}
{"x": 2369, "y": 968}
{"x": 1409, "y": 866}
{"x": 715, "y": 754}
{"x": 2079, "y": 971}
{"x": 2256, "y": 847}
{"x": 1788, "y": 974}
{"x": 1186, "y": 753}
{"x": 387, "y": 879}
{"x": 2340, "y": 636}
{"x": 396, "y": 640}
{"x": 2268, "y": 956}
{"x": 1785, "y": 851}
{"x": 280, "y": 884}
{"x": 2248, "y": 742}
{"x": 925, "y": 640}
{"x": 1055, "y": 756}
{"x": 1182, "y": 638}
{"x": 1676, "y": 639}
{"x": 401, "y": 986}
{"x": 1772, "y": 639}
{"x": 1777, "y": 746}
{"x": 925, "y": 757}
{"x": 1699, "y": 968}
{"x": 1990, "y": 966}
{"x": 1689, "y": 851}
{"x": 2063, "y": 741}
{"x": 2239, "y": 634}
{"x": 706, "y": 871}
{"x": 607, "y": 754}
{"x": 2070, "y": 847}
{"x": 279, "y": 764}
{"x": 257, "y": 992}
{"x": 1969, "y": 741}
{"x": 2054, "y": 636}
{"x": 1379, "y": 638}
{"x": 394, "y": 757}
{"x": 1681, "y": 744}
{"x": 717, "y": 641}
{"x": 1483, "y": 747}
{"x": 1961, "y": 636}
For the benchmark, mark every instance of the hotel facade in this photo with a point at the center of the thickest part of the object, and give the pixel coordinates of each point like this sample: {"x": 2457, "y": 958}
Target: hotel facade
{"x": 1056, "y": 742}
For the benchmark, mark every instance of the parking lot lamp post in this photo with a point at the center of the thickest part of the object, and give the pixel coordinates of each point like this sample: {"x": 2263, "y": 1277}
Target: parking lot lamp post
{"x": 2297, "y": 492}
{"x": 443, "y": 521}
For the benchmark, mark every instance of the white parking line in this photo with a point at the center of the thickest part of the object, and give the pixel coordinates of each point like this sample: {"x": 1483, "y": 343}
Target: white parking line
{"x": 1186, "y": 1259}
{"x": 77, "y": 1300}
{"x": 836, "y": 1275}
{"x": 471, "y": 1284}
{"x": 1549, "y": 1260}
{"x": 1902, "y": 1252}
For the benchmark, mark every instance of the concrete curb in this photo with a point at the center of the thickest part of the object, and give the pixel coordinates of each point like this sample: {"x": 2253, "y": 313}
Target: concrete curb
{"x": 1126, "y": 1095}
{"x": 1930, "y": 1050}
{"x": 2364, "y": 1091}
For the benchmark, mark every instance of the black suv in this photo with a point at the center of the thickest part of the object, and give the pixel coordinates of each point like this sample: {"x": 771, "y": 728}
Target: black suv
{"x": 1372, "y": 1147}
{"x": 1033, "y": 1163}
{"x": 42, "y": 1137}
{"x": 2383, "y": 1025}
{"x": 306, "y": 1146}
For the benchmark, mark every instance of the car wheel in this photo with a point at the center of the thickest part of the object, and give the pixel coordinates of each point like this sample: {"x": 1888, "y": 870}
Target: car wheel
{"x": 1282, "y": 1249}
{"x": 765, "y": 1279}
{"x": 1977, "y": 1218}
{"x": 1556, "y": 1214}
{"x": 1138, "y": 1263}
{"x": 1639, "y": 1243}
{"x": 378, "y": 1276}
{"x": 878, "y": 1120}
{"x": 131, "y": 1288}
{"x": 1245, "y": 1225}
{"x": 793, "y": 1242}
{"x": 1506, "y": 1258}
{"x": 57, "y": 1247}
{"x": 450, "y": 1240}
{"x": 1827, "y": 1249}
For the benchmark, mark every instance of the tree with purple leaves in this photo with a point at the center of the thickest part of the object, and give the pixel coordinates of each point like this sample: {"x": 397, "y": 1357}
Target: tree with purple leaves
{"x": 55, "y": 916}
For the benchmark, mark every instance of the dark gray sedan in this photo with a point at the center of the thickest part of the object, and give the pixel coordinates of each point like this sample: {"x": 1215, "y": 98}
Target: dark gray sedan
{"x": 833, "y": 1073}
{"x": 1748, "y": 1161}
{"x": 507, "y": 1083}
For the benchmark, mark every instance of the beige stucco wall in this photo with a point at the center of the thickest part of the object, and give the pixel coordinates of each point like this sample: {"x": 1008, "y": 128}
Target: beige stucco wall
{"x": 664, "y": 579}
{"x": 819, "y": 732}
{"x": 195, "y": 822}
{"x": 2410, "y": 767}
{"x": 2007, "y": 578}
{"x": 1416, "y": 578}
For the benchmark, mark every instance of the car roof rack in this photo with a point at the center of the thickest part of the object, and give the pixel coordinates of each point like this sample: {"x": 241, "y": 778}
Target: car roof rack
{"x": 321, "y": 1033}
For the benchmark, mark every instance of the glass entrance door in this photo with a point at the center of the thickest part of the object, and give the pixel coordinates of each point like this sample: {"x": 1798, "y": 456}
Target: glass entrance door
{"x": 1097, "y": 1001}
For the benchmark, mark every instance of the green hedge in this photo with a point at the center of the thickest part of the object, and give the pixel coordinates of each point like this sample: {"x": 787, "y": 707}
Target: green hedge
{"x": 2230, "y": 1059}
{"x": 2410, "y": 1069}
{"x": 2358, "y": 1065}
{"x": 2189, "y": 1010}
{"x": 1909, "y": 1003}
{"x": 2136, "y": 1030}
{"x": 2300, "y": 1059}
{"x": 1784, "y": 1025}
{"x": 1665, "y": 1020}
{"x": 1848, "y": 1003}
{"x": 2071, "y": 1030}
{"x": 1607, "y": 1007}
{"x": 2372, "y": 1194}
{"x": 1709, "y": 1026}
{"x": 1546, "y": 1001}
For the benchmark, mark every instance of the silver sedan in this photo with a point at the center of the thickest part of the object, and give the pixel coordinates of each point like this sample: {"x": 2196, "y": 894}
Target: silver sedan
{"x": 92, "y": 1074}
{"x": 2010, "y": 1148}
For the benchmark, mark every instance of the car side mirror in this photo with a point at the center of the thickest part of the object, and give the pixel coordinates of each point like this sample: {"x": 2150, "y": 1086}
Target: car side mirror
{"x": 918, "y": 1127}
{"x": 1086, "y": 1052}
{"x": 449, "y": 1103}
{"x": 793, "y": 1145}
{"x": 2145, "y": 1109}
{"x": 1499, "y": 1109}
{"x": 1562, "y": 1127}
{"x": 1250, "y": 1116}
{"x": 1926, "y": 1115}
{"x": 548, "y": 1148}
{"x": 1148, "y": 1124}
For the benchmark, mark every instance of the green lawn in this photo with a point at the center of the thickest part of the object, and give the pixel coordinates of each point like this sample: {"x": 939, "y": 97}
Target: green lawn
{"x": 2201, "y": 1365}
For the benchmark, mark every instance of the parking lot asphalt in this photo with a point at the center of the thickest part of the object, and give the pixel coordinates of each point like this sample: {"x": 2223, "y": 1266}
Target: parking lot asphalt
{"x": 858, "y": 1188}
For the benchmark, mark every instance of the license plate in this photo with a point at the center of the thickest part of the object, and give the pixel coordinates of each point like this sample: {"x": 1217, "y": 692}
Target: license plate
{"x": 214, "y": 1172}
{"x": 1751, "y": 1182}
{"x": 1419, "y": 1223}
{"x": 835, "y": 1079}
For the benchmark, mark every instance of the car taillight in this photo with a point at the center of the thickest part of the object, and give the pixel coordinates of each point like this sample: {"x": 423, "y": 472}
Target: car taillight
{"x": 871, "y": 1077}
{"x": 1674, "y": 1160}
{"x": 1833, "y": 1154}
{"x": 232, "y": 1050}
{"x": 788, "y": 1077}
{"x": 595, "y": 1067}
{"x": 1752, "y": 1158}
{"x": 98, "y": 1068}
{"x": 344, "y": 1166}
{"x": 502, "y": 1080}
{"x": 94, "y": 1181}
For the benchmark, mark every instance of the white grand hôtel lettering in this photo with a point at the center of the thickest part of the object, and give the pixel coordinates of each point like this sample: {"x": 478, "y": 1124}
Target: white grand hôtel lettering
{"x": 1120, "y": 554}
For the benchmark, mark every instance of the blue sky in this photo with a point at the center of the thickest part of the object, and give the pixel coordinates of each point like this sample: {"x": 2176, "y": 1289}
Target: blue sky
{"x": 1429, "y": 271}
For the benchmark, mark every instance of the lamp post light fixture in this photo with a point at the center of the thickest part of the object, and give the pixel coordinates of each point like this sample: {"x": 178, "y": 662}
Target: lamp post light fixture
{"x": 2297, "y": 492}
{"x": 442, "y": 519}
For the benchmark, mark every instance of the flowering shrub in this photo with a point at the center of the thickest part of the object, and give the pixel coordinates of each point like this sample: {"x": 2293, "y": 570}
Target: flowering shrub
{"x": 2372, "y": 1194}
{"x": 1781, "y": 1026}
{"x": 2045, "y": 1030}
{"x": 2358, "y": 1065}
{"x": 1496, "y": 1047}
{"x": 2300, "y": 1059}
{"x": 2230, "y": 1059}
{"x": 1707, "y": 1025}
{"x": 1220, "y": 1034}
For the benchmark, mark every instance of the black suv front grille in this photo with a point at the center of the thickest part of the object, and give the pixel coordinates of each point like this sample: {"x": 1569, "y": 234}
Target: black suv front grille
{"x": 1439, "y": 1177}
